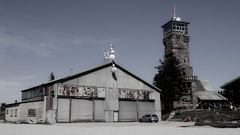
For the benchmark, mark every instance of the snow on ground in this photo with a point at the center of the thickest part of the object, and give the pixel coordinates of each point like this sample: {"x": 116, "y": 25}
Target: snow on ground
{"x": 161, "y": 128}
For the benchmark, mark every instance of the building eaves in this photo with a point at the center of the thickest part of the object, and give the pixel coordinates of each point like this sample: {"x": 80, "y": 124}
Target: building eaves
{"x": 173, "y": 21}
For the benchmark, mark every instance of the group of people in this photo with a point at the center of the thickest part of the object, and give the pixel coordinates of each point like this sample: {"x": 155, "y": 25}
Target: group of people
{"x": 221, "y": 106}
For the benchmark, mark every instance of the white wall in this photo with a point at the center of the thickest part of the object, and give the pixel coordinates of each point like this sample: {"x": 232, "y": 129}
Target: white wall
{"x": 23, "y": 111}
{"x": 158, "y": 105}
{"x": 103, "y": 78}
{"x": 12, "y": 114}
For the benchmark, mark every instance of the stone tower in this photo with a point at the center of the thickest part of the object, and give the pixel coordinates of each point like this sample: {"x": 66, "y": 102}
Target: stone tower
{"x": 176, "y": 43}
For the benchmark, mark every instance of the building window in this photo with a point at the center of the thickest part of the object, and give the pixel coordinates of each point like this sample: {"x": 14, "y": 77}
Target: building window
{"x": 174, "y": 26}
{"x": 11, "y": 115}
{"x": 31, "y": 112}
{"x": 7, "y": 111}
{"x": 16, "y": 110}
{"x": 178, "y": 28}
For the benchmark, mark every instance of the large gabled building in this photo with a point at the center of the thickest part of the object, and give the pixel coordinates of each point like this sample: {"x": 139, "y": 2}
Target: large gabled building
{"x": 98, "y": 94}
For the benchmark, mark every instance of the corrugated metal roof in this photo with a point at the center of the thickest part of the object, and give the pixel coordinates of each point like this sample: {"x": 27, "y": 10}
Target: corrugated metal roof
{"x": 206, "y": 85}
{"x": 210, "y": 95}
{"x": 209, "y": 92}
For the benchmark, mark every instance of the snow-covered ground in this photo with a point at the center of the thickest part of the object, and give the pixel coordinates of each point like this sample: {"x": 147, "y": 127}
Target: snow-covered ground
{"x": 162, "y": 128}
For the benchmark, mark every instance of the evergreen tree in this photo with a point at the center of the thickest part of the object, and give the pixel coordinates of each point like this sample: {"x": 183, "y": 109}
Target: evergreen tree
{"x": 231, "y": 95}
{"x": 170, "y": 79}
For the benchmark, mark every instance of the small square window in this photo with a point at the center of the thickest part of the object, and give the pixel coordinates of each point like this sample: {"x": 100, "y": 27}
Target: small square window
{"x": 31, "y": 112}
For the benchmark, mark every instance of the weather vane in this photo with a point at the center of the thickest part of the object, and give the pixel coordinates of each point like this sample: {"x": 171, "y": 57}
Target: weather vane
{"x": 110, "y": 55}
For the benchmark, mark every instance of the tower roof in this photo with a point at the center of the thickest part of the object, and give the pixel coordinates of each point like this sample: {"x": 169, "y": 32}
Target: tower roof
{"x": 175, "y": 18}
{"x": 171, "y": 21}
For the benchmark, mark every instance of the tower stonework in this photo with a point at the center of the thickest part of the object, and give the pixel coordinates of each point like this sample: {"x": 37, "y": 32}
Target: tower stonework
{"x": 176, "y": 43}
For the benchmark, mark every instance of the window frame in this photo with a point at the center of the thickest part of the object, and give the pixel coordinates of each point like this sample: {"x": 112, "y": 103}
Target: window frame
{"x": 16, "y": 111}
{"x": 31, "y": 112}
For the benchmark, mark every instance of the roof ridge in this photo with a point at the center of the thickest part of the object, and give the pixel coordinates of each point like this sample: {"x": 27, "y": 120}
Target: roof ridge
{"x": 68, "y": 77}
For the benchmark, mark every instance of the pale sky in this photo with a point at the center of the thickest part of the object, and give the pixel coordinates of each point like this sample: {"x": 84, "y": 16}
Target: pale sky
{"x": 42, "y": 36}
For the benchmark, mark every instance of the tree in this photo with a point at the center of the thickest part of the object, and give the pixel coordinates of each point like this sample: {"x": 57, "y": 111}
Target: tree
{"x": 171, "y": 80}
{"x": 232, "y": 95}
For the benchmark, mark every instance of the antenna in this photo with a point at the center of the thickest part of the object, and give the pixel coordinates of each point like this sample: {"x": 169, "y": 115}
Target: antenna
{"x": 174, "y": 11}
{"x": 175, "y": 18}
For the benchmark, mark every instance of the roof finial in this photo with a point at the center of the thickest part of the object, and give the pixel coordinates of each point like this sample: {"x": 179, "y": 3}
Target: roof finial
{"x": 109, "y": 55}
{"x": 175, "y": 18}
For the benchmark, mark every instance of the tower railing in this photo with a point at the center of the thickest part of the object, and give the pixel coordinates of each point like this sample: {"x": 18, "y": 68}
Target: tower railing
{"x": 190, "y": 78}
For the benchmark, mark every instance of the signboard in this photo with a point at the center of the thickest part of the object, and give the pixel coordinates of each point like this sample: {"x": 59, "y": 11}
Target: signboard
{"x": 152, "y": 96}
{"x": 81, "y": 91}
{"x": 135, "y": 94}
{"x": 100, "y": 92}
{"x": 95, "y": 92}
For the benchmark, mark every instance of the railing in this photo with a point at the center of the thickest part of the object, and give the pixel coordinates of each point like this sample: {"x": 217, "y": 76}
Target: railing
{"x": 190, "y": 78}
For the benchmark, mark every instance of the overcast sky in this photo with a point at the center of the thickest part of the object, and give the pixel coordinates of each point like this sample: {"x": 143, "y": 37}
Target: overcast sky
{"x": 42, "y": 36}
